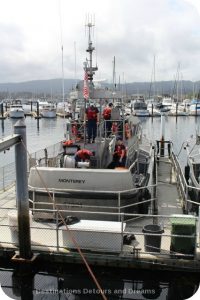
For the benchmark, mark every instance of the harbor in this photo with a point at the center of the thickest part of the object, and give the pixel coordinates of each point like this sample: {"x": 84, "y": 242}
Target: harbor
{"x": 47, "y": 237}
{"x": 169, "y": 181}
{"x": 48, "y": 244}
{"x": 102, "y": 182}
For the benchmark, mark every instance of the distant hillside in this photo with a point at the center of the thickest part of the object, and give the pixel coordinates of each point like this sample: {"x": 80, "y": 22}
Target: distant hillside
{"x": 54, "y": 87}
{"x": 51, "y": 86}
{"x": 162, "y": 87}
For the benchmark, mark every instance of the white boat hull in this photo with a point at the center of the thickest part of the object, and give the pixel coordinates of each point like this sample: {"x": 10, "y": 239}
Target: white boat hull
{"x": 85, "y": 190}
{"x": 48, "y": 114}
{"x": 16, "y": 114}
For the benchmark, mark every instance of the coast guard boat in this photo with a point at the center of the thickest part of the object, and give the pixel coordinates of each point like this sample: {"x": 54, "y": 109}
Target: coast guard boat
{"x": 57, "y": 181}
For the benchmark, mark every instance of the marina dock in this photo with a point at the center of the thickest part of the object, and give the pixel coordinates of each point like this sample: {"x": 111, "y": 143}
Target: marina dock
{"x": 168, "y": 200}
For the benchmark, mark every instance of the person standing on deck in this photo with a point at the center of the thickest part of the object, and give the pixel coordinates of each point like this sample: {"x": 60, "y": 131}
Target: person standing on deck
{"x": 107, "y": 118}
{"x": 92, "y": 118}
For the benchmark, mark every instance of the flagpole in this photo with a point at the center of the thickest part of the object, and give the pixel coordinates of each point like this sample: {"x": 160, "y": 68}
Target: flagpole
{"x": 84, "y": 140}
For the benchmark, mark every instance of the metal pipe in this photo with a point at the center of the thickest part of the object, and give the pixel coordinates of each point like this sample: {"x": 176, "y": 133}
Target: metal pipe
{"x": 199, "y": 224}
{"x": 22, "y": 192}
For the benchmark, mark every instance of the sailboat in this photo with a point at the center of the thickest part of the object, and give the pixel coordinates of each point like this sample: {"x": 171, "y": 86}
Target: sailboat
{"x": 94, "y": 186}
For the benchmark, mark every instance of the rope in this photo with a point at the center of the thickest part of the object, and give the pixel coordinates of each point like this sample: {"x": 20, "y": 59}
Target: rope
{"x": 70, "y": 233}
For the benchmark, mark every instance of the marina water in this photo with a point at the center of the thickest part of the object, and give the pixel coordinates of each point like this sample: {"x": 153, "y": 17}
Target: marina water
{"x": 73, "y": 282}
{"x": 45, "y": 132}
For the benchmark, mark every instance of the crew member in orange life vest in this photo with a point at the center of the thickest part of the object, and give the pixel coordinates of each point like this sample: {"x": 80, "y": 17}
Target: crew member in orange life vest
{"x": 83, "y": 155}
{"x": 107, "y": 117}
{"x": 92, "y": 118}
{"x": 119, "y": 156}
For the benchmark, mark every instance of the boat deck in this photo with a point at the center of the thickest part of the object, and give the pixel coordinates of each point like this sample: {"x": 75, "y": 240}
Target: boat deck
{"x": 169, "y": 200}
{"x": 47, "y": 239}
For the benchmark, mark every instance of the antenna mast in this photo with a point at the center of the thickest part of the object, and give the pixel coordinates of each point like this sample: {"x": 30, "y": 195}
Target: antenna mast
{"x": 88, "y": 65}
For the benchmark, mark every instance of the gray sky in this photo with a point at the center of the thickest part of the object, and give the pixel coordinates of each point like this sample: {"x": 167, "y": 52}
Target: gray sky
{"x": 134, "y": 31}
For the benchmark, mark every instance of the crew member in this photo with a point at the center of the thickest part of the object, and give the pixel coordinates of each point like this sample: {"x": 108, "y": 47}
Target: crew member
{"x": 83, "y": 155}
{"x": 74, "y": 129}
{"x": 127, "y": 130}
{"x": 92, "y": 118}
{"x": 107, "y": 118}
{"x": 114, "y": 128}
{"x": 119, "y": 156}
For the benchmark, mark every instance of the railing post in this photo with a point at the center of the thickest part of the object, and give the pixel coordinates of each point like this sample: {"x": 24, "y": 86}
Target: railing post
{"x": 57, "y": 232}
{"x": 186, "y": 194}
{"x": 119, "y": 206}
{"x": 3, "y": 179}
{"x": 22, "y": 192}
{"x": 154, "y": 202}
{"x": 46, "y": 157}
{"x": 199, "y": 224}
{"x": 122, "y": 231}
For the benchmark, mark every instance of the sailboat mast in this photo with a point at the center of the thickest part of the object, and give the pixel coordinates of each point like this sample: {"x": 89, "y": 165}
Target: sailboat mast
{"x": 114, "y": 75}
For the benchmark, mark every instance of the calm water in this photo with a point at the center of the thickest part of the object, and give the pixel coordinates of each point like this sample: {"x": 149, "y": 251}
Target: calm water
{"x": 40, "y": 134}
{"x": 57, "y": 282}
{"x": 74, "y": 283}
{"x": 49, "y": 131}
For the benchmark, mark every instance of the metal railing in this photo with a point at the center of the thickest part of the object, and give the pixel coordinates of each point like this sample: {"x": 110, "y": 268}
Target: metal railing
{"x": 173, "y": 237}
{"x": 43, "y": 157}
{"x": 182, "y": 185}
{"x": 7, "y": 176}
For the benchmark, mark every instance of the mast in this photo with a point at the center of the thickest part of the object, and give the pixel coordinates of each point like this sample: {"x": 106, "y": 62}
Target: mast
{"x": 114, "y": 75}
{"x": 89, "y": 68}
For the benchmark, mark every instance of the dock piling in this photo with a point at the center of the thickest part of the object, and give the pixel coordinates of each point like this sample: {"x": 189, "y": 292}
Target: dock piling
{"x": 22, "y": 192}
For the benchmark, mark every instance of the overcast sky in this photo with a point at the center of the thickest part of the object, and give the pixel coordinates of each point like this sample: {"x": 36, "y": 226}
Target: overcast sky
{"x": 134, "y": 31}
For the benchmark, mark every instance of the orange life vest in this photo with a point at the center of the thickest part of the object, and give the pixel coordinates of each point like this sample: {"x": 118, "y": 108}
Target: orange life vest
{"x": 120, "y": 150}
{"x": 74, "y": 130}
{"x": 127, "y": 131}
{"x": 107, "y": 113}
{"x": 92, "y": 113}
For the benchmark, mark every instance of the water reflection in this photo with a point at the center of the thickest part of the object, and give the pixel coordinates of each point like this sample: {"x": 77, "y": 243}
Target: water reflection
{"x": 76, "y": 284}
